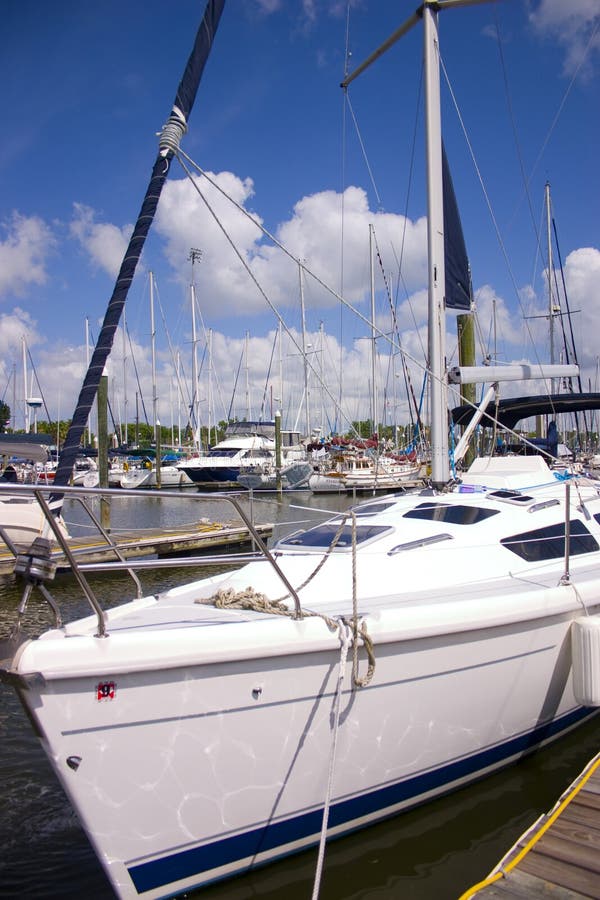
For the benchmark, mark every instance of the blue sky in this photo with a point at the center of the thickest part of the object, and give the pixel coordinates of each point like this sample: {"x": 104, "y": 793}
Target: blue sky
{"x": 87, "y": 86}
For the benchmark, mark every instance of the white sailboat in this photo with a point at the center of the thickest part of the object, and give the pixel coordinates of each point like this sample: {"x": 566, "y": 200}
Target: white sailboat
{"x": 346, "y": 472}
{"x": 146, "y": 476}
{"x": 220, "y": 725}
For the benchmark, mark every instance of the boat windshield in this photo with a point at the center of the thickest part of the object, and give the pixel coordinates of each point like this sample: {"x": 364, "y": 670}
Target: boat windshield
{"x": 322, "y": 536}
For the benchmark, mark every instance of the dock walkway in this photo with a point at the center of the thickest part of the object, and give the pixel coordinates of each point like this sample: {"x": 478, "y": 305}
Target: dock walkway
{"x": 189, "y": 539}
{"x": 559, "y": 856}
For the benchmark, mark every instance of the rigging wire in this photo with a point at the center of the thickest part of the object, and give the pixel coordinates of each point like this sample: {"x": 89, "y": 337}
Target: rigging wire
{"x": 493, "y": 219}
{"x": 235, "y": 383}
{"x": 406, "y": 373}
{"x": 363, "y": 148}
{"x": 527, "y": 179}
{"x": 399, "y": 260}
{"x": 398, "y": 257}
{"x": 267, "y": 377}
{"x": 183, "y": 159}
{"x": 108, "y": 403}
{"x": 137, "y": 376}
{"x": 347, "y": 54}
{"x": 183, "y": 389}
{"x": 37, "y": 381}
{"x": 561, "y": 105}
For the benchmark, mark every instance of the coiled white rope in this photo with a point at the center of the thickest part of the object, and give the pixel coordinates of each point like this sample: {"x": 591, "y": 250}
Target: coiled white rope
{"x": 172, "y": 132}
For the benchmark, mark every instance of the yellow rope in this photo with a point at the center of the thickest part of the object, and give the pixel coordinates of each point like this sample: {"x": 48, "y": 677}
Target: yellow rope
{"x": 502, "y": 872}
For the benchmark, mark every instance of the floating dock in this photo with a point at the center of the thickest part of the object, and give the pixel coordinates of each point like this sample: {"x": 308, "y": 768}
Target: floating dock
{"x": 187, "y": 539}
{"x": 559, "y": 856}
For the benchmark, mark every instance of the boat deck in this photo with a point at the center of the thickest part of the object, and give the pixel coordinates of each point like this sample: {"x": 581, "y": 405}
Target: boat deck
{"x": 151, "y": 542}
{"x": 559, "y": 856}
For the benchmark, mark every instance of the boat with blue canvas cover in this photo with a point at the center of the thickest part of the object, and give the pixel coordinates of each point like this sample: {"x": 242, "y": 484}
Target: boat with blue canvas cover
{"x": 354, "y": 670}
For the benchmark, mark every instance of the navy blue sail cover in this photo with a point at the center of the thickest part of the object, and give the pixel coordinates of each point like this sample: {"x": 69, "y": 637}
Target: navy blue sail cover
{"x": 182, "y": 106}
{"x": 458, "y": 274}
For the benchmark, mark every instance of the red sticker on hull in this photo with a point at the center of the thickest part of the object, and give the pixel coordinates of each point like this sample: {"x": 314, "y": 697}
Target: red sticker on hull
{"x": 106, "y": 690}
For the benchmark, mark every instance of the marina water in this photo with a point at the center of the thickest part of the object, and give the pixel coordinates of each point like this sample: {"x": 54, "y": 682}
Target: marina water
{"x": 435, "y": 851}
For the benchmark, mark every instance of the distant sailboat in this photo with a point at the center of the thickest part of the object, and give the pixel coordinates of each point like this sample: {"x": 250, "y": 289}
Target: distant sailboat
{"x": 352, "y": 471}
{"x": 144, "y": 475}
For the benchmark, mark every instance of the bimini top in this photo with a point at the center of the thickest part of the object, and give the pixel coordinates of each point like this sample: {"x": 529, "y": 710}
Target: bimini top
{"x": 27, "y": 446}
{"x": 510, "y": 411}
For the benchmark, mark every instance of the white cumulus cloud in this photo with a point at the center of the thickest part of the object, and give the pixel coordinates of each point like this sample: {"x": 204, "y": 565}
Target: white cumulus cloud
{"x": 26, "y": 243}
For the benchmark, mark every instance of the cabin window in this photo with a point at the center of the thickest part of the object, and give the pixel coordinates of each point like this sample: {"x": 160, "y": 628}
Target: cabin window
{"x": 322, "y": 536}
{"x": 549, "y": 542}
{"x": 372, "y": 508}
{"x": 455, "y": 514}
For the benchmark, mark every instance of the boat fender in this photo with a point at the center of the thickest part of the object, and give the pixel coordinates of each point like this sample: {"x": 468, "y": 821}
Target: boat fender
{"x": 585, "y": 647}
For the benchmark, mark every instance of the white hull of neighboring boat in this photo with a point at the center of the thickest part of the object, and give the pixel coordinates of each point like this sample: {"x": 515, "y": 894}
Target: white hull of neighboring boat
{"x": 371, "y": 477}
{"x": 293, "y": 477}
{"x": 245, "y": 446}
{"x": 216, "y": 759}
{"x": 85, "y": 473}
{"x": 170, "y": 476}
{"x": 23, "y": 520}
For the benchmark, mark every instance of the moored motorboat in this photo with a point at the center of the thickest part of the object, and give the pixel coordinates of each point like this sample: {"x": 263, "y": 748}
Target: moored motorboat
{"x": 245, "y": 445}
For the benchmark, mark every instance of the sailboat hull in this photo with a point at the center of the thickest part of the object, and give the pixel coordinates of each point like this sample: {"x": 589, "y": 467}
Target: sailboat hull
{"x": 216, "y": 760}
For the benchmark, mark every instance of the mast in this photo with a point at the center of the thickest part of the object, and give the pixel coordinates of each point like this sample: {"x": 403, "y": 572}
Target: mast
{"x": 321, "y": 374}
{"x": 440, "y": 464}
{"x": 13, "y": 416}
{"x": 25, "y": 392}
{"x": 281, "y": 398}
{"x": 428, "y": 12}
{"x": 178, "y": 398}
{"x": 211, "y": 421}
{"x": 195, "y": 256}
{"x": 304, "y": 357}
{"x": 87, "y": 363}
{"x": 125, "y": 429}
{"x": 373, "y": 341}
{"x": 246, "y": 340}
{"x": 153, "y": 352}
{"x": 550, "y": 293}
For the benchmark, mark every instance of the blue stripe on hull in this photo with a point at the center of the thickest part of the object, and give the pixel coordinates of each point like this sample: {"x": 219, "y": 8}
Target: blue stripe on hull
{"x": 187, "y": 863}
